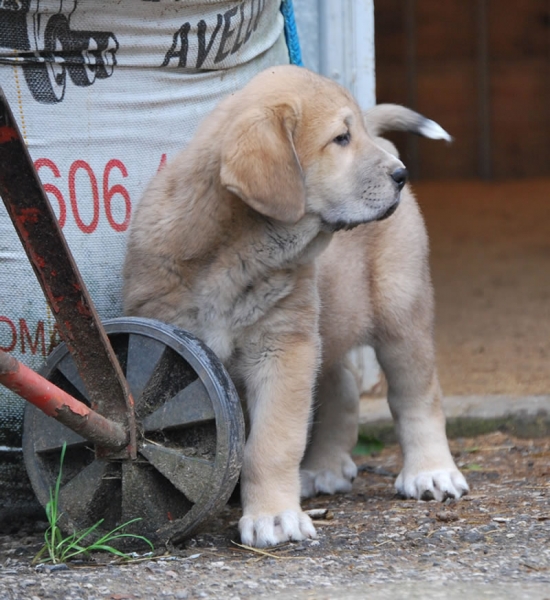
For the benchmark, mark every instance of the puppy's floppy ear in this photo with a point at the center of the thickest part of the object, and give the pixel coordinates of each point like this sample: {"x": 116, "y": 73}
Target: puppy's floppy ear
{"x": 260, "y": 165}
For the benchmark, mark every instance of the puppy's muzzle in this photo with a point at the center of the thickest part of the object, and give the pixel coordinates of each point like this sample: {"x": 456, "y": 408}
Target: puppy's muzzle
{"x": 400, "y": 177}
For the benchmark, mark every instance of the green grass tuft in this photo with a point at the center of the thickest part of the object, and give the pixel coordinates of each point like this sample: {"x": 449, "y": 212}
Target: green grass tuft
{"x": 367, "y": 445}
{"x": 59, "y": 548}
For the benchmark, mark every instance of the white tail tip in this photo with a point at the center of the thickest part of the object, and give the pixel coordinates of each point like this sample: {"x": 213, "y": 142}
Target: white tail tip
{"x": 432, "y": 130}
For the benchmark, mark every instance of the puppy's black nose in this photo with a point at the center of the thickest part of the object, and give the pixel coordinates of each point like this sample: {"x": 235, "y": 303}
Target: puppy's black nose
{"x": 400, "y": 177}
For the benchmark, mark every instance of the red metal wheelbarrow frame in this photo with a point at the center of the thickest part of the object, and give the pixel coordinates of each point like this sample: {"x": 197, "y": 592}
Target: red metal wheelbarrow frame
{"x": 58, "y": 404}
{"x": 110, "y": 422}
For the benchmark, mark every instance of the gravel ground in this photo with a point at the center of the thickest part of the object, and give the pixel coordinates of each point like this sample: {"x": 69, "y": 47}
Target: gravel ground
{"x": 495, "y": 543}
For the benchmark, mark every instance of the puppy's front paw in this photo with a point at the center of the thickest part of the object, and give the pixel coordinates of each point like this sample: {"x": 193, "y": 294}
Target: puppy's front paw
{"x": 269, "y": 530}
{"x": 438, "y": 484}
{"x": 337, "y": 479}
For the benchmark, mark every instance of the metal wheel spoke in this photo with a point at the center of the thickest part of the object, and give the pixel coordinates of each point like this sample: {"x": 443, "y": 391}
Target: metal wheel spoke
{"x": 188, "y": 407}
{"x": 188, "y": 474}
{"x": 81, "y": 497}
{"x": 144, "y": 355}
{"x": 149, "y": 496}
{"x": 138, "y": 493}
{"x": 67, "y": 367}
{"x": 52, "y": 435}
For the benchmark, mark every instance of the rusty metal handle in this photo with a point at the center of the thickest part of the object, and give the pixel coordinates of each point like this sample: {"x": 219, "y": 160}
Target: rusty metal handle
{"x": 62, "y": 284}
{"x": 58, "y": 404}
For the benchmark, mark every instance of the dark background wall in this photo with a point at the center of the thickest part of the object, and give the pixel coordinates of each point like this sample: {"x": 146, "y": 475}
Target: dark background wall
{"x": 480, "y": 68}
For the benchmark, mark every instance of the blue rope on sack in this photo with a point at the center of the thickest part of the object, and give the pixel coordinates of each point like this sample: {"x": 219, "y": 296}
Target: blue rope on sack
{"x": 291, "y": 33}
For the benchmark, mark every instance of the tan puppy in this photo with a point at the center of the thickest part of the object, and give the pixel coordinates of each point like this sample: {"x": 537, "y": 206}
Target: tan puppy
{"x": 234, "y": 240}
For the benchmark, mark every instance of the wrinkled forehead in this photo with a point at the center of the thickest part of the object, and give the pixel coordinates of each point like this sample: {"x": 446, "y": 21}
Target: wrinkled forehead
{"x": 329, "y": 116}
{"x": 330, "y": 103}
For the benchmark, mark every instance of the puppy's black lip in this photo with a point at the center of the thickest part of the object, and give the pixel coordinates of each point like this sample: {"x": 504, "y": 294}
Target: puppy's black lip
{"x": 347, "y": 225}
{"x": 340, "y": 225}
{"x": 389, "y": 212}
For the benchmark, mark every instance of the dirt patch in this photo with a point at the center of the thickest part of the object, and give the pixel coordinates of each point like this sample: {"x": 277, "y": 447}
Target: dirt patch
{"x": 499, "y": 533}
{"x": 490, "y": 257}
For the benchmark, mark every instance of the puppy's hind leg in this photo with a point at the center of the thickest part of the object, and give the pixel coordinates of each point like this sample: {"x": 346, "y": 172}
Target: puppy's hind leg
{"x": 327, "y": 467}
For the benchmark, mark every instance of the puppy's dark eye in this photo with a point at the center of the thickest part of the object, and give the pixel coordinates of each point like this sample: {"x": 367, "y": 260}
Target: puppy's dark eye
{"x": 343, "y": 140}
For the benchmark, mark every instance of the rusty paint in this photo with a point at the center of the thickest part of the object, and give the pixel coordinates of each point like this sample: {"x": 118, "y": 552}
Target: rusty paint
{"x": 55, "y": 303}
{"x": 7, "y": 134}
{"x": 83, "y": 309}
{"x": 40, "y": 261}
{"x": 28, "y": 215}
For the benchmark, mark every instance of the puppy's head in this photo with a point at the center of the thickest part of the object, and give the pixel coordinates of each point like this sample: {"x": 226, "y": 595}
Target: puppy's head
{"x": 296, "y": 143}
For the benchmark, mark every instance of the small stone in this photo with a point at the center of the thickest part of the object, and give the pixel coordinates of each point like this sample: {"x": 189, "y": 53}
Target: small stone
{"x": 472, "y": 537}
{"x": 490, "y": 527}
{"x": 182, "y": 594}
{"x": 41, "y": 568}
{"x": 446, "y": 516}
{"x": 317, "y": 513}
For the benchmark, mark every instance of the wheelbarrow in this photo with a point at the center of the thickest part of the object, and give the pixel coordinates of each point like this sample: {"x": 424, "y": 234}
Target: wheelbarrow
{"x": 151, "y": 420}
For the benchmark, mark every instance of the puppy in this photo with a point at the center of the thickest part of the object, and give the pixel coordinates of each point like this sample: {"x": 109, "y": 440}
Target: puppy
{"x": 269, "y": 238}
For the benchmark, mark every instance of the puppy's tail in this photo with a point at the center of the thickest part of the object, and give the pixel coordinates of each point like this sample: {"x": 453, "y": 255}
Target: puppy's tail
{"x": 393, "y": 117}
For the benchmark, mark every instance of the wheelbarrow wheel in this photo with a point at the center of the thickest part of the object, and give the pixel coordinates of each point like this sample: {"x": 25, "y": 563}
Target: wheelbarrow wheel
{"x": 190, "y": 438}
